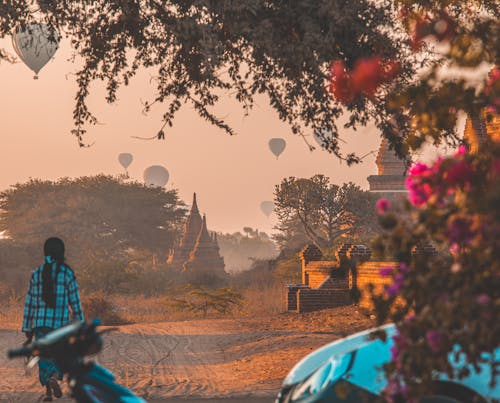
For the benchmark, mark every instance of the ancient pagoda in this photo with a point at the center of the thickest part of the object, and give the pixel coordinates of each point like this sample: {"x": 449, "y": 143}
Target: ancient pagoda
{"x": 205, "y": 259}
{"x": 197, "y": 254}
{"x": 192, "y": 228}
{"x": 390, "y": 181}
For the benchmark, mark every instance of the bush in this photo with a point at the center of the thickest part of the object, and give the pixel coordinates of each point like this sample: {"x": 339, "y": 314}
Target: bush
{"x": 202, "y": 301}
{"x": 96, "y": 305}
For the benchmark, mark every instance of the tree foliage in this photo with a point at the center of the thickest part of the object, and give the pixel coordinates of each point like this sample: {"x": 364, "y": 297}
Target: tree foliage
{"x": 321, "y": 210}
{"x": 100, "y": 218}
{"x": 200, "y": 50}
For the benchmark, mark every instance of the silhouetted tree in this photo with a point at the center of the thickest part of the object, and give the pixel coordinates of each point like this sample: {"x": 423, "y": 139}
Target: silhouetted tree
{"x": 322, "y": 211}
{"x": 101, "y": 218}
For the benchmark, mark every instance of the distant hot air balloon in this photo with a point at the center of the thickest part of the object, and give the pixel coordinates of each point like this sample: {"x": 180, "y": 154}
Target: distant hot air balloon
{"x": 35, "y": 45}
{"x": 277, "y": 146}
{"x": 156, "y": 175}
{"x": 317, "y": 136}
{"x": 125, "y": 159}
{"x": 327, "y": 134}
{"x": 267, "y": 207}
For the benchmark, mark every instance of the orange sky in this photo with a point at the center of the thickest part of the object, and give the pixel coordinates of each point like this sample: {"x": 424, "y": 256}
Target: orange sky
{"x": 231, "y": 175}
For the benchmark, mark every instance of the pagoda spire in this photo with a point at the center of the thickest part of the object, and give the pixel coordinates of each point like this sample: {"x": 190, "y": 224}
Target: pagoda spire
{"x": 203, "y": 236}
{"x": 188, "y": 240}
{"x": 205, "y": 256}
{"x": 194, "y": 206}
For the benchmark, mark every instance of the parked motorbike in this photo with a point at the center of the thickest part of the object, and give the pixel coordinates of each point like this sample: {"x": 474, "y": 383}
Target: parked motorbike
{"x": 67, "y": 347}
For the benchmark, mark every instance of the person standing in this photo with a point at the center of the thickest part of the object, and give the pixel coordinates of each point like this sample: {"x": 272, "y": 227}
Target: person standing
{"x": 52, "y": 292}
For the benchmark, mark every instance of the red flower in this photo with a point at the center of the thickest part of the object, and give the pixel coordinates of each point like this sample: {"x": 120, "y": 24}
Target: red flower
{"x": 367, "y": 75}
{"x": 383, "y": 205}
{"x": 341, "y": 83}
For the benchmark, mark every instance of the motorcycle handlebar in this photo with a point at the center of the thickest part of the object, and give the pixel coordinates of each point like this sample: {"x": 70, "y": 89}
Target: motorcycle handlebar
{"x": 19, "y": 352}
{"x": 85, "y": 330}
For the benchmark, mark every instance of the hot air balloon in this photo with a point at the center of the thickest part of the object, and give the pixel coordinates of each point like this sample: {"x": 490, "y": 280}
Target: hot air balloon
{"x": 327, "y": 134}
{"x": 317, "y": 136}
{"x": 267, "y": 207}
{"x": 35, "y": 45}
{"x": 277, "y": 146}
{"x": 156, "y": 175}
{"x": 125, "y": 159}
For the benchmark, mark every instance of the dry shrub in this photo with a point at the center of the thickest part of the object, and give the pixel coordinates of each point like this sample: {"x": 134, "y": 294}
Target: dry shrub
{"x": 200, "y": 300}
{"x": 263, "y": 300}
{"x": 98, "y": 305}
{"x": 141, "y": 309}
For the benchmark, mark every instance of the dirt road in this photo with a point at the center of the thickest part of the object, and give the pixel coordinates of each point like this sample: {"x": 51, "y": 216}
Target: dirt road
{"x": 191, "y": 359}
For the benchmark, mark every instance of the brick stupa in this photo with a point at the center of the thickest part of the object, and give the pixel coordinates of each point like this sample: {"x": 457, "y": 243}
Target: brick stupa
{"x": 197, "y": 254}
{"x": 192, "y": 227}
{"x": 390, "y": 181}
{"x": 205, "y": 258}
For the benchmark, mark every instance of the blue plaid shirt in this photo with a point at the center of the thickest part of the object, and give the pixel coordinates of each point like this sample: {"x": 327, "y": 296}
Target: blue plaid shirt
{"x": 38, "y": 314}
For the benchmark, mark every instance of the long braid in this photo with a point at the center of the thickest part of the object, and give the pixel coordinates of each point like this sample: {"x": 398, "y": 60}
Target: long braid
{"x": 54, "y": 253}
{"x": 48, "y": 294}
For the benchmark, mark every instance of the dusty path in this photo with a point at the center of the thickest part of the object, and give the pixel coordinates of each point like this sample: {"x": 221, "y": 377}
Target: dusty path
{"x": 195, "y": 359}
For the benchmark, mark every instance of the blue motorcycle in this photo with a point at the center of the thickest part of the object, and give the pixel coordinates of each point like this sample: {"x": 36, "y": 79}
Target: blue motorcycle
{"x": 349, "y": 371}
{"x": 67, "y": 346}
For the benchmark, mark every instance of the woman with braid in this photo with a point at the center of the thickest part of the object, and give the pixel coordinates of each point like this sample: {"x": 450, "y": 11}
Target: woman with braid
{"x": 52, "y": 292}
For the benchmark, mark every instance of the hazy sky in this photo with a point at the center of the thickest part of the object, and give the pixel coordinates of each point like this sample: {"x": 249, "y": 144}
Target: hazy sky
{"x": 231, "y": 175}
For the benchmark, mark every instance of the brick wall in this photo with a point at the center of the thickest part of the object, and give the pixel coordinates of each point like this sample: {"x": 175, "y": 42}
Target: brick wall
{"x": 291, "y": 296}
{"x": 316, "y": 278}
{"x": 315, "y": 273}
{"x": 338, "y": 280}
{"x": 368, "y": 273}
{"x": 309, "y": 300}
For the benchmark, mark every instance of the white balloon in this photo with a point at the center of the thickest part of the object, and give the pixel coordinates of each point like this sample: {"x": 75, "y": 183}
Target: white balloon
{"x": 125, "y": 159}
{"x": 156, "y": 175}
{"x": 35, "y": 45}
{"x": 277, "y": 146}
{"x": 267, "y": 207}
{"x": 326, "y": 134}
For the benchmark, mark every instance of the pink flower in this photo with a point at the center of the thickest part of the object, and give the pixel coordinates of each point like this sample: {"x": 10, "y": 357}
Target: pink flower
{"x": 403, "y": 267}
{"x": 461, "y": 150}
{"x": 383, "y": 206}
{"x": 483, "y": 299}
{"x": 386, "y": 271}
{"x": 395, "y": 288}
{"x": 419, "y": 193}
{"x": 459, "y": 174}
{"x": 418, "y": 169}
{"x": 434, "y": 340}
{"x": 459, "y": 230}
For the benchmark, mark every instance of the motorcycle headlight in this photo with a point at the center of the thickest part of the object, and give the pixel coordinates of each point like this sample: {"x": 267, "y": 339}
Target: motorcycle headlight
{"x": 330, "y": 372}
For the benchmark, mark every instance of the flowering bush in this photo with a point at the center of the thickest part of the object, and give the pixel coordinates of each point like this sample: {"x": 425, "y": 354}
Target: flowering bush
{"x": 445, "y": 303}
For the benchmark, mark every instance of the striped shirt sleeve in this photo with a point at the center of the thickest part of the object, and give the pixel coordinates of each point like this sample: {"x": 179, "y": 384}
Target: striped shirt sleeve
{"x": 74, "y": 299}
{"x": 29, "y": 307}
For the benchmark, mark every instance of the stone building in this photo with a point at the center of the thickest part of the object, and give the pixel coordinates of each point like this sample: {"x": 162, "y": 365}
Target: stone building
{"x": 390, "y": 181}
{"x": 197, "y": 254}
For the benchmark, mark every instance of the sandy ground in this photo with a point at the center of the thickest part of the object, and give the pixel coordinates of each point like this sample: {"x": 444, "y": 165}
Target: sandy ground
{"x": 213, "y": 358}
